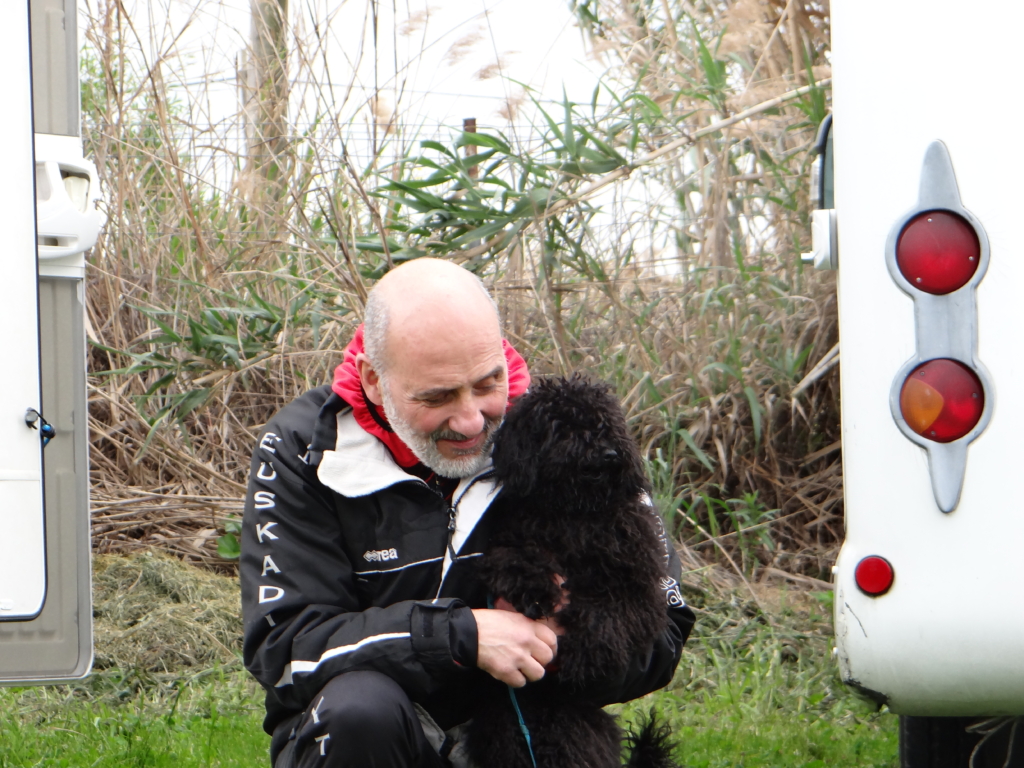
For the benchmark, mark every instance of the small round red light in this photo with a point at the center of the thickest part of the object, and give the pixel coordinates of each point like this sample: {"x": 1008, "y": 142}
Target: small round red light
{"x": 873, "y": 575}
{"x": 942, "y": 400}
{"x": 938, "y": 252}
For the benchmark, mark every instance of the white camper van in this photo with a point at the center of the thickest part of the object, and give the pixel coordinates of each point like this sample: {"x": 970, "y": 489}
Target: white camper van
{"x": 923, "y": 227}
{"x": 45, "y": 584}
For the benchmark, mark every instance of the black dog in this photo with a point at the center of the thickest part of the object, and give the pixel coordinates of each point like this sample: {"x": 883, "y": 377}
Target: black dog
{"x": 571, "y": 505}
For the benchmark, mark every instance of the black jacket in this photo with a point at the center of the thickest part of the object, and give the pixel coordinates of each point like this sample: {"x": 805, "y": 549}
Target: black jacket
{"x": 345, "y": 565}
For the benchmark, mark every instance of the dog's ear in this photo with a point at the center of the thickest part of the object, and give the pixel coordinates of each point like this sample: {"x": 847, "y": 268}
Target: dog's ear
{"x": 516, "y": 473}
{"x": 521, "y": 448}
{"x": 514, "y": 447}
{"x": 565, "y": 431}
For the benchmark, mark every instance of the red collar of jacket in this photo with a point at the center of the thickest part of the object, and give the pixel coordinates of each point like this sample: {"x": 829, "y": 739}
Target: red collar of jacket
{"x": 349, "y": 388}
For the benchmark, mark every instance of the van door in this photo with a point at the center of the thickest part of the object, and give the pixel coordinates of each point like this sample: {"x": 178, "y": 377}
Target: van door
{"x": 48, "y": 636}
{"x": 22, "y": 544}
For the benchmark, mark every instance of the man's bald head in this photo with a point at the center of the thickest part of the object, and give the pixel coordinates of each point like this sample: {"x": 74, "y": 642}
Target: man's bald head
{"x": 420, "y": 297}
{"x": 435, "y": 363}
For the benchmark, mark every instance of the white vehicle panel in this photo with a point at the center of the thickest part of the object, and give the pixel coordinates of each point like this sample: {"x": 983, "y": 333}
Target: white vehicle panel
{"x": 22, "y": 554}
{"x": 947, "y": 638}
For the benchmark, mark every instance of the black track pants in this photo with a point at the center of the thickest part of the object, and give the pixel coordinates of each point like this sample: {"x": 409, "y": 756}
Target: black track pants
{"x": 359, "y": 720}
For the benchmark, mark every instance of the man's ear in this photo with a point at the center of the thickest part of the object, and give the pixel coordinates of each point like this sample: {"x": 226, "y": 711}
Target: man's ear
{"x": 370, "y": 379}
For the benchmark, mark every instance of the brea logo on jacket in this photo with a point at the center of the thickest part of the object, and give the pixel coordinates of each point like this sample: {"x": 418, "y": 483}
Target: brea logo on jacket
{"x": 380, "y": 555}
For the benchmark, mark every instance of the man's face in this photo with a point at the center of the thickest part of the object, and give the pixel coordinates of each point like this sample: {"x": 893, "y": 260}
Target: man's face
{"x": 445, "y": 398}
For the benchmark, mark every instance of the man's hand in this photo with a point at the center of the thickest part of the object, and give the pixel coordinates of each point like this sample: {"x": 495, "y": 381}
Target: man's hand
{"x": 511, "y": 647}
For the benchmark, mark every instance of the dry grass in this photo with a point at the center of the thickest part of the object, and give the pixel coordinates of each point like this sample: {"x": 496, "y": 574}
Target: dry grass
{"x": 221, "y": 289}
{"x": 155, "y": 617}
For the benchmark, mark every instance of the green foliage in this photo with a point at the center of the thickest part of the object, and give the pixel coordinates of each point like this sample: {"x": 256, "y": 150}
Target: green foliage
{"x": 714, "y": 86}
{"x": 449, "y": 202}
{"x": 189, "y": 355}
{"x": 228, "y": 545}
{"x": 746, "y": 517}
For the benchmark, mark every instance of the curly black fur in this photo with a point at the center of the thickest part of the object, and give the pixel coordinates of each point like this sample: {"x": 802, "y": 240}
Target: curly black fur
{"x": 571, "y": 503}
{"x": 651, "y": 746}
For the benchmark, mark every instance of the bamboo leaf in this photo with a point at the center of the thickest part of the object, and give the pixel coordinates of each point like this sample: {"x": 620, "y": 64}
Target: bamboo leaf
{"x": 480, "y": 233}
{"x": 728, "y": 370}
{"x": 687, "y": 438}
{"x": 437, "y": 146}
{"x": 482, "y": 140}
{"x": 569, "y": 137}
{"x": 756, "y": 411}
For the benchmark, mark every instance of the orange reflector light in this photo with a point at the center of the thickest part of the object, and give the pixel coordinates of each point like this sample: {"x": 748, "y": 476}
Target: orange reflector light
{"x": 938, "y": 252}
{"x": 942, "y": 400}
{"x": 873, "y": 575}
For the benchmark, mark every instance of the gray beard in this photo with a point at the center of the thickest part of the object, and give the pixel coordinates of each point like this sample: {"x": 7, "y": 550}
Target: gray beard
{"x": 424, "y": 447}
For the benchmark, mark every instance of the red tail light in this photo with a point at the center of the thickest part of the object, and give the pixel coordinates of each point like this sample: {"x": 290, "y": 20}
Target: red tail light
{"x": 938, "y": 252}
{"x": 942, "y": 400}
{"x": 874, "y": 575}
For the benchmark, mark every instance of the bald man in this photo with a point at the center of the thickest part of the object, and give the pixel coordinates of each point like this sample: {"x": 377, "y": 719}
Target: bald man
{"x": 366, "y": 507}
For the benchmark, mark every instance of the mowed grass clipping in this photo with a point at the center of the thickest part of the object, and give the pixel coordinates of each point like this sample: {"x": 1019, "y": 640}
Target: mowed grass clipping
{"x": 752, "y": 689}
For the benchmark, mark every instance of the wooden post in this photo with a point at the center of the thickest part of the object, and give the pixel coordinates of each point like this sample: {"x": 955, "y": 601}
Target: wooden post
{"x": 469, "y": 126}
{"x": 266, "y": 110}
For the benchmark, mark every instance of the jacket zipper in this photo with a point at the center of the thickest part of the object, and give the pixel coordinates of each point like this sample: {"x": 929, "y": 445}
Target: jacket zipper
{"x": 453, "y": 510}
{"x": 451, "y": 531}
{"x": 451, "y": 519}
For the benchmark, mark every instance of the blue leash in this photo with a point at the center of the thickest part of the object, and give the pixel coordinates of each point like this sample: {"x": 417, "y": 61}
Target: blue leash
{"x": 515, "y": 706}
{"x": 522, "y": 725}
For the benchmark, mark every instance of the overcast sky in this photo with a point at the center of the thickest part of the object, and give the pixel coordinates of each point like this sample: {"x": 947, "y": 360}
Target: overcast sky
{"x": 436, "y": 62}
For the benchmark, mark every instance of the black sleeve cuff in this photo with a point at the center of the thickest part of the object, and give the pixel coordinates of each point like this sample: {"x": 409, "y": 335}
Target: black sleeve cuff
{"x": 462, "y": 637}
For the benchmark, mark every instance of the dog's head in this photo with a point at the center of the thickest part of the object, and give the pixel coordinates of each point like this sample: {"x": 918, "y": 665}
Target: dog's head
{"x": 568, "y": 437}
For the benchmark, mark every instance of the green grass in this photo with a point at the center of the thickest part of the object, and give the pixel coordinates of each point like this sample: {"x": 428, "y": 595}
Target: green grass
{"x": 758, "y": 707}
{"x": 749, "y": 692}
{"x": 142, "y": 722}
{"x": 718, "y": 739}
{"x": 730, "y": 727}
{"x": 103, "y": 737}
